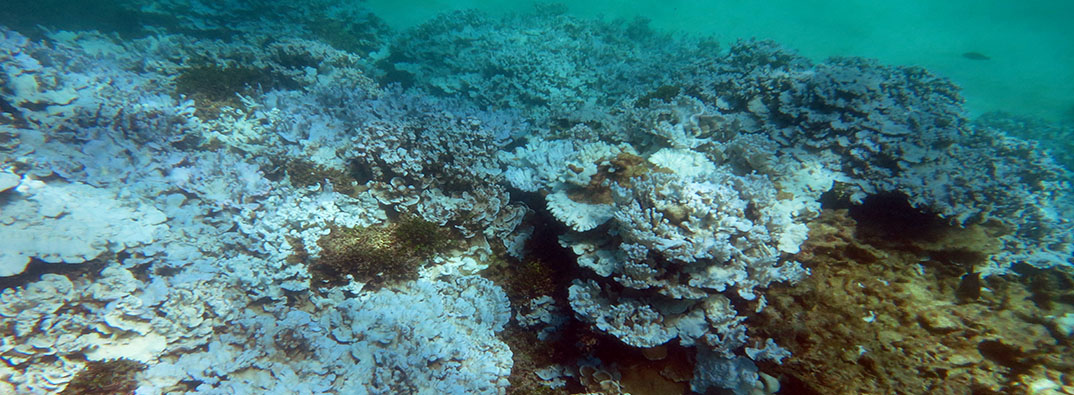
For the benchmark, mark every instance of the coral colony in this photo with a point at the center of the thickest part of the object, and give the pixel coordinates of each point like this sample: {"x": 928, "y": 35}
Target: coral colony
{"x": 531, "y": 203}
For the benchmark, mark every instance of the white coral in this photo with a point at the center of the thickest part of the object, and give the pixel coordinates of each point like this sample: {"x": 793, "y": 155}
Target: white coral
{"x": 683, "y": 239}
{"x": 72, "y": 223}
{"x": 579, "y": 216}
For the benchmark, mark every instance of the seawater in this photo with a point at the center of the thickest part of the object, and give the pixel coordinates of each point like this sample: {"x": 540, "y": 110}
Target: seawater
{"x": 1026, "y": 48}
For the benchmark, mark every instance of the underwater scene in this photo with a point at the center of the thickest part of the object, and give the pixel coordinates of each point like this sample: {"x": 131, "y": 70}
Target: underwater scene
{"x": 488, "y": 197}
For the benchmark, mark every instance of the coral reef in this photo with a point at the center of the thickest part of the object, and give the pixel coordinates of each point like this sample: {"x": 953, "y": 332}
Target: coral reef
{"x": 213, "y": 87}
{"x": 71, "y": 223}
{"x": 891, "y": 129}
{"x": 879, "y": 316}
{"x": 52, "y": 324}
{"x": 670, "y": 260}
{"x": 365, "y": 344}
{"x": 303, "y": 203}
{"x": 1051, "y": 137}
{"x": 377, "y": 257}
{"x": 544, "y": 63}
{"x": 684, "y": 240}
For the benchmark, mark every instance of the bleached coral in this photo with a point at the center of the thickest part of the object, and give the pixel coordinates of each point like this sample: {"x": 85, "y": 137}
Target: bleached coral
{"x": 680, "y": 206}
{"x": 768, "y": 351}
{"x": 734, "y": 222}
{"x": 557, "y": 164}
{"x": 681, "y": 230}
{"x": 71, "y": 223}
{"x": 55, "y": 322}
{"x": 683, "y": 162}
{"x": 443, "y": 342}
{"x": 543, "y": 314}
{"x": 682, "y": 241}
{"x": 220, "y": 179}
{"x": 877, "y": 129}
{"x": 538, "y": 164}
{"x": 578, "y": 216}
{"x": 450, "y": 327}
{"x": 543, "y": 63}
{"x": 126, "y": 151}
{"x": 737, "y": 374}
{"x": 409, "y": 149}
{"x": 682, "y": 123}
{"x": 562, "y": 166}
{"x": 302, "y": 217}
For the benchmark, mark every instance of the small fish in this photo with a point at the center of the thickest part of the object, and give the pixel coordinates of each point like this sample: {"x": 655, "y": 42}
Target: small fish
{"x": 975, "y": 56}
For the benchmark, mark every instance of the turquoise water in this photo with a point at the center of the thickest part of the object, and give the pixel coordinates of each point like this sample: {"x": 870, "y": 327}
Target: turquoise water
{"x": 1029, "y": 44}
